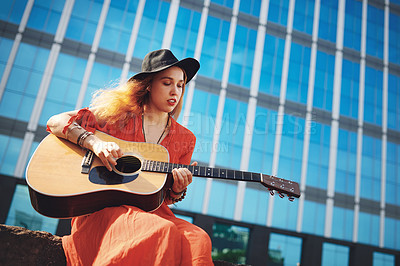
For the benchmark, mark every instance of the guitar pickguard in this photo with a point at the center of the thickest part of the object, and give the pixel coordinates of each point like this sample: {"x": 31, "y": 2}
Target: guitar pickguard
{"x": 101, "y": 176}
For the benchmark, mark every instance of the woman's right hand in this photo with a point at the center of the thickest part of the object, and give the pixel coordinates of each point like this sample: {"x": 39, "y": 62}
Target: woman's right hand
{"x": 108, "y": 152}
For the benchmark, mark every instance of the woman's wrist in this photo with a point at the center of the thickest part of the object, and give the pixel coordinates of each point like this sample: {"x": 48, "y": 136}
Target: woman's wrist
{"x": 175, "y": 197}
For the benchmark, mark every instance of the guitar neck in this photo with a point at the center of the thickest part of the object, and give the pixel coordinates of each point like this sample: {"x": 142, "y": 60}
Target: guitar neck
{"x": 202, "y": 171}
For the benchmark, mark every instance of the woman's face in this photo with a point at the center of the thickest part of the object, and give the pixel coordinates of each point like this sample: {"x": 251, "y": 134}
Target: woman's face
{"x": 166, "y": 90}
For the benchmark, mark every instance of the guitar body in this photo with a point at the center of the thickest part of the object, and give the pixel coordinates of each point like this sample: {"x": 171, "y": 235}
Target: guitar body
{"x": 58, "y": 189}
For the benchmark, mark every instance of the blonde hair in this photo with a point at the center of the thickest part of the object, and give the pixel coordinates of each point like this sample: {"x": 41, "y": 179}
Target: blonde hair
{"x": 120, "y": 104}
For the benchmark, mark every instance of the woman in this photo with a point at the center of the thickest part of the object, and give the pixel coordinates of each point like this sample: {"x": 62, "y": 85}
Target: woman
{"x": 143, "y": 110}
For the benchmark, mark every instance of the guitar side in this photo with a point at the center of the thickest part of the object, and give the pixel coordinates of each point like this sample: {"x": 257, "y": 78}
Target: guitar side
{"x": 58, "y": 188}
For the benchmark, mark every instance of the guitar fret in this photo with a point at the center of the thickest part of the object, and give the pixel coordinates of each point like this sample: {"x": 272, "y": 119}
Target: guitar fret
{"x": 238, "y": 175}
{"x": 230, "y": 174}
{"x": 246, "y": 176}
{"x": 222, "y": 173}
{"x": 196, "y": 170}
{"x": 209, "y": 172}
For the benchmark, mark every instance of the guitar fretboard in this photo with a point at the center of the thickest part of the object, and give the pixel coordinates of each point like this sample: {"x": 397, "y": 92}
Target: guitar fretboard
{"x": 201, "y": 171}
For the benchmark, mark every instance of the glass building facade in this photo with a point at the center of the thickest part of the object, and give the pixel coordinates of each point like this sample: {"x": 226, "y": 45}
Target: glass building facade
{"x": 307, "y": 90}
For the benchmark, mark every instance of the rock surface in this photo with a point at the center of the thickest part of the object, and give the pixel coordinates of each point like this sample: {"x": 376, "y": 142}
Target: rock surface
{"x": 20, "y": 246}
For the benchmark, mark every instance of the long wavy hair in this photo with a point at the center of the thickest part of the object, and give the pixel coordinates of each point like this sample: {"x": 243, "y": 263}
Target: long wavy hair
{"x": 118, "y": 105}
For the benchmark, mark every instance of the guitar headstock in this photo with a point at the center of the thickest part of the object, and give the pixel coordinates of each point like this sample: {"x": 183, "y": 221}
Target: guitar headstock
{"x": 282, "y": 186}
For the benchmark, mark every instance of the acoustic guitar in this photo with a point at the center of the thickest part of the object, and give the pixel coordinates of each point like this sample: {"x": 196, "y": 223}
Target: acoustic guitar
{"x": 65, "y": 180}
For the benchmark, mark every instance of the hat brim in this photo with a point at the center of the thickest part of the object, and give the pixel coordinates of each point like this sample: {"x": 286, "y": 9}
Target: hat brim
{"x": 189, "y": 65}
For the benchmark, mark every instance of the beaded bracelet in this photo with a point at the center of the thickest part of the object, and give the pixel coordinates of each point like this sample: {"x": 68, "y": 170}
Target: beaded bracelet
{"x": 82, "y": 137}
{"x": 174, "y": 200}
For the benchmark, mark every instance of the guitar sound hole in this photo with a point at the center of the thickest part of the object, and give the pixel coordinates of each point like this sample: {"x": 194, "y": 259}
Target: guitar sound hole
{"x": 128, "y": 164}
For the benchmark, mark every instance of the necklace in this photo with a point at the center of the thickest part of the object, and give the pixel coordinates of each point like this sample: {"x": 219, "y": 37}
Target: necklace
{"x": 162, "y": 134}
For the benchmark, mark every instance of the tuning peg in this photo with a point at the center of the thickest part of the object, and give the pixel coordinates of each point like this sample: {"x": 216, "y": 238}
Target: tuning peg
{"x": 291, "y": 199}
{"x": 281, "y": 195}
{"x": 271, "y": 191}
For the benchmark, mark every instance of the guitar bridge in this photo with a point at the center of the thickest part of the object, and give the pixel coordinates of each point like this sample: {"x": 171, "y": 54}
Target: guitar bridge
{"x": 87, "y": 162}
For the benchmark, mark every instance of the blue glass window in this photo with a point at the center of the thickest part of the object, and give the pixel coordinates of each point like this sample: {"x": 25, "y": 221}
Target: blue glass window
{"x": 5, "y": 48}
{"x": 284, "y": 212}
{"x": 350, "y": 89}
{"x": 185, "y": 33}
{"x": 375, "y": 22}
{"x": 222, "y": 198}
{"x": 291, "y": 150}
{"x": 152, "y": 27}
{"x": 346, "y": 162}
{"x": 343, "y": 223}
{"x": 22, "y": 214}
{"x": 328, "y": 20}
{"x": 255, "y": 205}
{"x": 83, "y": 21}
{"x": 303, "y": 16}
{"x": 24, "y": 82}
{"x": 278, "y": 11}
{"x": 373, "y": 96}
{"x": 9, "y": 151}
{"x": 368, "y": 229}
{"x": 227, "y": 3}
{"x": 271, "y": 68}
{"x": 382, "y": 259}
{"x": 230, "y": 243}
{"x": 371, "y": 168}
{"x": 45, "y": 15}
{"x": 394, "y": 38}
{"x": 394, "y": 102}
{"x": 313, "y": 218}
{"x": 251, "y": 7}
{"x": 352, "y": 24}
{"x": 214, "y": 48}
{"x": 263, "y": 141}
{"x": 393, "y": 174}
{"x": 64, "y": 86}
{"x": 102, "y": 76}
{"x": 232, "y": 132}
{"x": 12, "y": 10}
{"x": 318, "y": 156}
{"x": 335, "y": 255}
{"x": 284, "y": 250}
{"x": 242, "y": 56}
{"x": 202, "y": 123}
{"x": 118, "y": 25}
{"x": 299, "y": 67}
{"x": 392, "y": 233}
{"x": 323, "y": 85}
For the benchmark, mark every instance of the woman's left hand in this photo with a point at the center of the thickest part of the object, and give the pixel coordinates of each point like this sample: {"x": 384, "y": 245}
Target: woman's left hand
{"x": 182, "y": 178}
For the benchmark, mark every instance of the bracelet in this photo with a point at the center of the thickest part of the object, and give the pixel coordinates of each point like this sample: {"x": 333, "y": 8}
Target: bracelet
{"x": 74, "y": 125}
{"x": 82, "y": 137}
{"x": 174, "y": 200}
{"x": 178, "y": 193}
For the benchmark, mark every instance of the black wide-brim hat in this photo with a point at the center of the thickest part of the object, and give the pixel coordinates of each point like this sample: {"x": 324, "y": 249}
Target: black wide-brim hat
{"x": 160, "y": 60}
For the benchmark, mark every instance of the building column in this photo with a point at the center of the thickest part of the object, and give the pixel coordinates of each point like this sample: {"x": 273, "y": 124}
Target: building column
{"x": 360, "y": 120}
{"x": 251, "y": 107}
{"x": 15, "y": 47}
{"x": 221, "y": 101}
{"x": 281, "y": 108}
{"x": 307, "y": 130}
{"x": 335, "y": 119}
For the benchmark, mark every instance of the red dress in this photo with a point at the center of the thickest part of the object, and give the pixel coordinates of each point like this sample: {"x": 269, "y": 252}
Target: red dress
{"x": 126, "y": 235}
